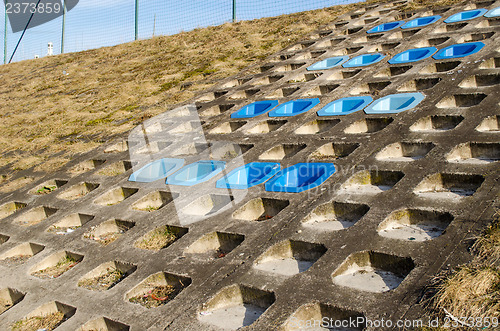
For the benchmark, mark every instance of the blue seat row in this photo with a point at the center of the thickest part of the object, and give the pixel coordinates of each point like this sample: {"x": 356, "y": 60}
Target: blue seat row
{"x": 294, "y": 179}
{"x": 411, "y": 55}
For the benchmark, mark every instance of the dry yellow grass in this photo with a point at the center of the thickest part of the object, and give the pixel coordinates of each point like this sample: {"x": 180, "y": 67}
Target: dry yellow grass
{"x": 56, "y": 107}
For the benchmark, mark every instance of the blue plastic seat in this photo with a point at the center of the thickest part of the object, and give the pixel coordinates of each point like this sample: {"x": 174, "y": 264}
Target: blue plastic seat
{"x": 294, "y": 107}
{"x": 195, "y": 173}
{"x": 466, "y": 15}
{"x": 413, "y": 55}
{"x": 421, "y": 21}
{"x": 328, "y": 63}
{"x": 300, "y": 177}
{"x": 495, "y": 12}
{"x": 345, "y": 106}
{"x": 255, "y": 109}
{"x": 386, "y": 27}
{"x": 395, "y": 103}
{"x": 156, "y": 170}
{"x": 363, "y": 60}
{"x": 458, "y": 50}
{"x": 249, "y": 175}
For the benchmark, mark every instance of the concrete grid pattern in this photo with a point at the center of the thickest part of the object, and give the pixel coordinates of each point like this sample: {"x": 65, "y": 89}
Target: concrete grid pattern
{"x": 436, "y": 165}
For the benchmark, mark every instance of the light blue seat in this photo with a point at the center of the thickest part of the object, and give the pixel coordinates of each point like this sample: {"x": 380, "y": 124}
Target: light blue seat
{"x": 195, "y": 173}
{"x": 249, "y": 175}
{"x": 345, "y": 106}
{"x": 413, "y": 55}
{"x": 386, "y": 27}
{"x": 421, "y": 21}
{"x": 294, "y": 107}
{"x": 363, "y": 60}
{"x": 255, "y": 109}
{"x": 495, "y": 12}
{"x": 328, "y": 63}
{"x": 300, "y": 177}
{"x": 458, "y": 50}
{"x": 395, "y": 103}
{"x": 156, "y": 170}
{"x": 466, "y": 15}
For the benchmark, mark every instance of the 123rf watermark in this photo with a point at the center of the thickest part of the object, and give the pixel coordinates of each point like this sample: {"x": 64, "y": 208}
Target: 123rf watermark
{"x": 361, "y": 322}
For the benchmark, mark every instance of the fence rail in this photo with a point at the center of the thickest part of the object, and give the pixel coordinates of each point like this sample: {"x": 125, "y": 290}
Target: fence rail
{"x": 98, "y": 23}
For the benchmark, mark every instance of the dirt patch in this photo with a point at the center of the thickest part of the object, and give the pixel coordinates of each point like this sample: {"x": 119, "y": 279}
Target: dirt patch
{"x": 16, "y": 259}
{"x": 157, "y": 239}
{"x": 47, "y": 322}
{"x": 157, "y": 296}
{"x": 104, "y": 281}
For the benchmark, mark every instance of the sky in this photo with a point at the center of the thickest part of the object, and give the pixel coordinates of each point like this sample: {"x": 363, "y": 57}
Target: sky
{"x": 98, "y": 23}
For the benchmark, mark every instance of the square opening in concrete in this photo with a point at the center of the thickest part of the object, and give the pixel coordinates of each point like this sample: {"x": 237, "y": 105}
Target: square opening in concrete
{"x": 16, "y": 184}
{"x": 8, "y": 298}
{"x": 235, "y": 306}
{"x": 316, "y": 126}
{"x": 370, "y": 88}
{"x": 392, "y": 71}
{"x": 46, "y": 317}
{"x": 227, "y": 127}
{"x": 154, "y": 201}
{"x": 243, "y": 94}
{"x": 266, "y": 80}
{"x": 461, "y": 100}
{"x": 449, "y": 28}
{"x": 283, "y": 92}
{"x": 158, "y": 289}
{"x": 414, "y": 224}
{"x": 78, "y": 191}
{"x": 302, "y": 78}
{"x": 115, "y": 169}
{"x": 290, "y": 67}
{"x": 148, "y": 149}
{"x": 34, "y": 216}
{"x": 373, "y": 271}
{"x": 475, "y": 153}
{"x": 207, "y": 204}
{"x": 10, "y": 208}
{"x": 215, "y": 245}
{"x": 439, "y": 67}
{"x": 334, "y": 216}
{"x": 475, "y": 37}
{"x": 281, "y": 152}
{"x": 260, "y": 209}
{"x": 108, "y": 231}
{"x": 343, "y": 74}
{"x": 266, "y": 127}
{"x": 106, "y": 275}
{"x": 117, "y": 147}
{"x": 419, "y": 84}
{"x": 70, "y": 223}
{"x": 332, "y": 151}
{"x": 489, "y": 124}
{"x": 369, "y": 125}
{"x": 85, "y": 166}
{"x": 448, "y": 186}
{"x": 480, "y": 81}
{"x": 404, "y": 151}
{"x": 319, "y": 316}
{"x": 228, "y": 151}
{"x": 48, "y": 187}
{"x": 216, "y": 110}
{"x": 432, "y": 42}
{"x": 190, "y": 149}
{"x": 103, "y": 324}
{"x": 289, "y": 257}
{"x": 186, "y": 127}
{"x": 21, "y": 253}
{"x": 372, "y": 181}
{"x": 161, "y": 237}
{"x": 490, "y": 63}
{"x": 56, "y": 265}
{"x": 115, "y": 196}
{"x": 436, "y": 123}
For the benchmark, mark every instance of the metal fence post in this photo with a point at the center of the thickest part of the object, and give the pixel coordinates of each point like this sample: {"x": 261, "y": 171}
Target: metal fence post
{"x": 234, "y": 11}
{"x": 63, "y": 26}
{"x": 5, "y": 36}
{"x": 136, "y": 19}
